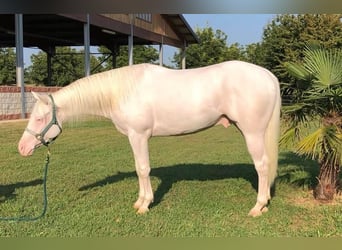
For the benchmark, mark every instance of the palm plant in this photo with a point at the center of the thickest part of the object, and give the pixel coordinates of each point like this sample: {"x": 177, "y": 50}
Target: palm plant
{"x": 313, "y": 114}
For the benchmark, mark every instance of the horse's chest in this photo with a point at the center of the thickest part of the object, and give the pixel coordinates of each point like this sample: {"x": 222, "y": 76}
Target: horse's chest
{"x": 132, "y": 117}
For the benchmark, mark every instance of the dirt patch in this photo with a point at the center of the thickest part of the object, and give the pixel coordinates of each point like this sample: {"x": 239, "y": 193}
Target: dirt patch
{"x": 306, "y": 200}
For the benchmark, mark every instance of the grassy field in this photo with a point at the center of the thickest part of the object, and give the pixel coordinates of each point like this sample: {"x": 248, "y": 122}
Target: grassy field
{"x": 204, "y": 185}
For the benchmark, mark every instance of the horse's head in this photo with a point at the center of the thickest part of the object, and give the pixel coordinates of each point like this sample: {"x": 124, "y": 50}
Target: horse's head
{"x": 43, "y": 127}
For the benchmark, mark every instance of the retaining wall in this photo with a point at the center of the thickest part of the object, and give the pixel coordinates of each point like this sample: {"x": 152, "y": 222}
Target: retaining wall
{"x": 10, "y": 100}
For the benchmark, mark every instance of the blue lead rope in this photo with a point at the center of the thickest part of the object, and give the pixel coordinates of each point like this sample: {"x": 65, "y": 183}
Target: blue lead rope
{"x": 27, "y": 218}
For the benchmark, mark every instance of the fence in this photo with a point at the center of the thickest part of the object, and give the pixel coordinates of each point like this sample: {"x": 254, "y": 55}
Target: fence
{"x": 10, "y": 100}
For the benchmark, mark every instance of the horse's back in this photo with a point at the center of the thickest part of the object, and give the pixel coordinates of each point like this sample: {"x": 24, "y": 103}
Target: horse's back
{"x": 229, "y": 74}
{"x": 229, "y": 87}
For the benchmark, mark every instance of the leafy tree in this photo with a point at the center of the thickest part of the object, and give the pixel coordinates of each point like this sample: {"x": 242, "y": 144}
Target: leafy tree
{"x": 254, "y": 53}
{"x": 141, "y": 54}
{"x": 37, "y": 71}
{"x": 67, "y": 66}
{"x": 211, "y": 49}
{"x": 8, "y": 68}
{"x": 235, "y": 52}
{"x": 285, "y": 37}
{"x": 314, "y": 114}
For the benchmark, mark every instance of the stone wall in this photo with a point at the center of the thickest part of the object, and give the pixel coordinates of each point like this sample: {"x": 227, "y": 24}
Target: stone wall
{"x": 10, "y": 100}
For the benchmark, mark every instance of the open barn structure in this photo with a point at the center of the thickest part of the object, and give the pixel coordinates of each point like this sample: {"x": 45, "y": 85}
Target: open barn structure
{"x": 48, "y": 31}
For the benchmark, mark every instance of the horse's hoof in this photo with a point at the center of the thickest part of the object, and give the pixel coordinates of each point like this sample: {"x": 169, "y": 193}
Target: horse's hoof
{"x": 138, "y": 204}
{"x": 142, "y": 210}
{"x": 255, "y": 213}
{"x": 264, "y": 210}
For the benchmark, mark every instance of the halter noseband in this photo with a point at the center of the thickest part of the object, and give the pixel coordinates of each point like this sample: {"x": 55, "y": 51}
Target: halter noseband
{"x": 40, "y": 136}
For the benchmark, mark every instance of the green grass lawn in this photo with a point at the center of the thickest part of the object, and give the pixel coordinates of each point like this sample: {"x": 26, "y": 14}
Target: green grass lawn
{"x": 204, "y": 185}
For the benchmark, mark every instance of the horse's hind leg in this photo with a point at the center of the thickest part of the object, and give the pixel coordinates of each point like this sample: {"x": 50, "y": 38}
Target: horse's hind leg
{"x": 256, "y": 148}
{"x": 139, "y": 144}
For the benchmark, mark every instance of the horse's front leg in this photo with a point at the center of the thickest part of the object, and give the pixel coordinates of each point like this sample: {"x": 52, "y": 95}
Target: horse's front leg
{"x": 139, "y": 144}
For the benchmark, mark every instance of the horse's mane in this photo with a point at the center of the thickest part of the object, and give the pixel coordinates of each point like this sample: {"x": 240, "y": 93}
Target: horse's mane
{"x": 100, "y": 93}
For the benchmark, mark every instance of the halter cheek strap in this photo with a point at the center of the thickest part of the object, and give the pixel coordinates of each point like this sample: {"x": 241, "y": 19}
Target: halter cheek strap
{"x": 40, "y": 136}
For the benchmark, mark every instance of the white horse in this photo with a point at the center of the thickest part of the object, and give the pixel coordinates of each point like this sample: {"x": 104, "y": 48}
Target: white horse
{"x": 147, "y": 100}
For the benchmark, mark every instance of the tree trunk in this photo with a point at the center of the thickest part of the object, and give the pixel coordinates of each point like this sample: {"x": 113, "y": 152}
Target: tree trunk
{"x": 328, "y": 182}
{"x": 329, "y": 173}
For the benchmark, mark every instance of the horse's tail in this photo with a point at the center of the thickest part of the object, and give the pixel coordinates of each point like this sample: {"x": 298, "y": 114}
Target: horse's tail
{"x": 272, "y": 138}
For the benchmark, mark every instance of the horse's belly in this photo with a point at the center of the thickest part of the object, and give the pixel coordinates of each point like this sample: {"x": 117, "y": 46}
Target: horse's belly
{"x": 166, "y": 130}
{"x": 177, "y": 124}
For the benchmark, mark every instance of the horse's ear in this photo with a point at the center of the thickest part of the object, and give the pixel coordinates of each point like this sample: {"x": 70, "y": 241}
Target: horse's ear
{"x": 41, "y": 97}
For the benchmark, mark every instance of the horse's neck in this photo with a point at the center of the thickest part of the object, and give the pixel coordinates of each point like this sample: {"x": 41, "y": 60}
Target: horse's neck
{"x": 101, "y": 93}
{"x": 79, "y": 99}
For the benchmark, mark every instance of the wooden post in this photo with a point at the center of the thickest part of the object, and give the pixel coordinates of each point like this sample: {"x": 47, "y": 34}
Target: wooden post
{"x": 161, "y": 54}
{"x": 19, "y": 44}
{"x": 49, "y": 66}
{"x": 86, "y": 29}
{"x": 115, "y": 52}
{"x": 130, "y": 41}
{"x": 183, "y": 55}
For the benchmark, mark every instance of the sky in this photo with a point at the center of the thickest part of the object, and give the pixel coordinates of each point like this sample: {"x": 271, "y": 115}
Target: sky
{"x": 240, "y": 28}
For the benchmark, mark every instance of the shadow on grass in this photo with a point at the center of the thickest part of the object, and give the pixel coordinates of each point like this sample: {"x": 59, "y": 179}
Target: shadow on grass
{"x": 292, "y": 169}
{"x": 297, "y": 170}
{"x": 185, "y": 172}
{"x": 8, "y": 191}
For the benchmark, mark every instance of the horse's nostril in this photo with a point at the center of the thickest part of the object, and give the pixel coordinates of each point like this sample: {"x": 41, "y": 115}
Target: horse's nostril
{"x": 20, "y": 148}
